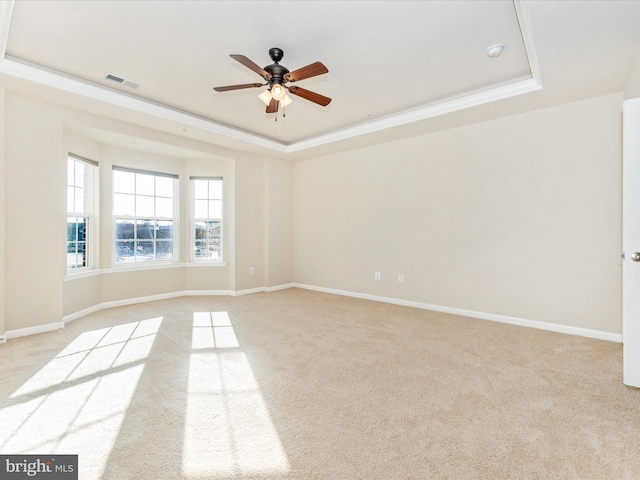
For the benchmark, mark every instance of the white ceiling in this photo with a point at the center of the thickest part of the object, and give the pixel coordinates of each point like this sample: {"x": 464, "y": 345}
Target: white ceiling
{"x": 395, "y": 68}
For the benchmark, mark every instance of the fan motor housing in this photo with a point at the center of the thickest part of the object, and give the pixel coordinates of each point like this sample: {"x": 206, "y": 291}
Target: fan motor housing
{"x": 277, "y": 72}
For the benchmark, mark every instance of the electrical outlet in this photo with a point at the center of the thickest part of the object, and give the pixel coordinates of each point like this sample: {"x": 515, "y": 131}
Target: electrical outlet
{"x": 3, "y": 339}
{"x": 376, "y": 275}
{"x": 400, "y": 278}
{"x": 251, "y": 271}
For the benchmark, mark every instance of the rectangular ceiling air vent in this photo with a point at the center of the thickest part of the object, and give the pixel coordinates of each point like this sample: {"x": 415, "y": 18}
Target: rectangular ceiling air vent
{"x": 122, "y": 81}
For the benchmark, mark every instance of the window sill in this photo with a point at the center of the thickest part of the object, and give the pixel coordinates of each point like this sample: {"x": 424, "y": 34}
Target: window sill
{"x": 141, "y": 266}
{"x": 82, "y": 274}
{"x": 205, "y": 264}
{"x": 137, "y": 268}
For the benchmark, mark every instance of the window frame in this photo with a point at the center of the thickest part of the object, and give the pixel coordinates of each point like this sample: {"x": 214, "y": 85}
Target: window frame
{"x": 194, "y": 220}
{"x": 91, "y": 212}
{"x": 175, "y": 219}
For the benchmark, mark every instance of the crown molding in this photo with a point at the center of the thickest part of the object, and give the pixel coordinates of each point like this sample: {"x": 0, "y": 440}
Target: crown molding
{"x": 36, "y": 73}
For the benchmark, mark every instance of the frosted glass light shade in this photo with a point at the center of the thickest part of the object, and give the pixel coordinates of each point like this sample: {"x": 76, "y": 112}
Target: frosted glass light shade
{"x": 266, "y": 97}
{"x": 286, "y": 101}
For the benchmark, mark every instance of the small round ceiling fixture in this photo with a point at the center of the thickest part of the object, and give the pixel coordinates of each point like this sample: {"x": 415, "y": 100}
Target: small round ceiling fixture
{"x": 495, "y": 50}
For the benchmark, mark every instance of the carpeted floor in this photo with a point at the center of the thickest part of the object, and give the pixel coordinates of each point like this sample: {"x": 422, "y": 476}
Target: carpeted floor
{"x": 304, "y": 385}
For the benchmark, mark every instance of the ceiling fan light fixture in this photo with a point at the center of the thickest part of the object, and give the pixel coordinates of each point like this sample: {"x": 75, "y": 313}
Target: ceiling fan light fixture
{"x": 266, "y": 97}
{"x": 278, "y": 92}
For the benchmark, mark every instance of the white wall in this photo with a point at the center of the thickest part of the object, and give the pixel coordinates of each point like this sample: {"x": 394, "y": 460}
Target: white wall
{"x": 519, "y": 216}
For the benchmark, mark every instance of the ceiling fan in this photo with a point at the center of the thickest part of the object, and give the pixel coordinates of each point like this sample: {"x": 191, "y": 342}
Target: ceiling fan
{"x": 277, "y": 76}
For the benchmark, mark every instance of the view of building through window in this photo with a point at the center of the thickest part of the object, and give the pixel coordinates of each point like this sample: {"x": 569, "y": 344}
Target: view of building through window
{"x": 143, "y": 207}
{"x": 78, "y": 213}
{"x": 207, "y": 218}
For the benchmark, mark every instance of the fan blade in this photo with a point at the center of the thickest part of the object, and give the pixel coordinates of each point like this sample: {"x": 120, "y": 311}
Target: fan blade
{"x": 311, "y": 96}
{"x": 249, "y": 64}
{"x": 238, "y": 87}
{"x": 273, "y": 106}
{"x": 312, "y": 70}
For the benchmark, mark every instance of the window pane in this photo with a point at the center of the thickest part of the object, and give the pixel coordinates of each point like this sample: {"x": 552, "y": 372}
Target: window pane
{"x": 80, "y": 177}
{"x": 123, "y": 182}
{"x": 144, "y": 206}
{"x": 201, "y": 210}
{"x": 70, "y": 171}
{"x": 124, "y": 252}
{"x": 164, "y": 230}
{"x": 124, "y": 204}
{"x": 215, "y": 209}
{"x": 124, "y": 230}
{"x": 215, "y": 189}
{"x": 82, "y": 229}
{"x": 79, "y": 201}
{"x": 201, "y": 189}
{"x": 145, "y": 229}
{"x": 72, "y": 229}
{"x": 164, "y": 250}
{"x": 81, "y": 259}
{"x": 144, "y": 184}
{"x": 144, "y": 251}
{"x": 70, "y": 199}
{"x": 201, "y": 231}
{"x": 164, "y": 207}
{"x": 164, "y": 187}
{"x": 71, "y": 255}
{"x": 201, "y": 250}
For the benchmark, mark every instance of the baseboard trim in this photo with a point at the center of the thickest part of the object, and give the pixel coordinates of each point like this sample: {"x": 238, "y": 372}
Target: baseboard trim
{"x": 164, "y": 296}
{"x": 523, "y": 322}
{"x": 279, "y": 287}
{"x": 23, "y": 332}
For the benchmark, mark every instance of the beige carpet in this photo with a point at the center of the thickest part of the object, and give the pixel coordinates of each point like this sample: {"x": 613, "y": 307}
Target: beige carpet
{"x": 304, "y": 385}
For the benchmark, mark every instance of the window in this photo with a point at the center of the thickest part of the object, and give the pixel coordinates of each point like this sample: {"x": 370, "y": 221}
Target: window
{"x": 80, "y": 207}
{"x": 144, "y": 209}
{"x": 207, "y": 218}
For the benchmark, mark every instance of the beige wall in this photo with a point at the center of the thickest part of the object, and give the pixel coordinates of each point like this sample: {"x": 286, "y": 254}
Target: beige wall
{"x": 279, "y": 227}
{"x": 632, "y": 89}
{"x": 518, "y": 216}
{"x": 38, "y": 137}
{"x": 35, "y": 206}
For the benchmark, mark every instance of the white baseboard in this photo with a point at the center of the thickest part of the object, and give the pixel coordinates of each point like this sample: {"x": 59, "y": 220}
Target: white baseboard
{"x": 164, "y": 296}
{"x": 279, "y": 287}
{"x": 523, "y": 322}
{"x": 3, "y": 339}
{"x": 23, "y": 332}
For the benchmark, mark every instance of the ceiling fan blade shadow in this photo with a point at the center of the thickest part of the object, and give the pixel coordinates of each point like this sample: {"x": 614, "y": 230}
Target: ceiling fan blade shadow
{"x": 251, "y": 65}
{"x": 238, "y": 87}
{"x": 311, "y": 96}
{"x": 309, "y": 71}
{"x": 273, "y": 106}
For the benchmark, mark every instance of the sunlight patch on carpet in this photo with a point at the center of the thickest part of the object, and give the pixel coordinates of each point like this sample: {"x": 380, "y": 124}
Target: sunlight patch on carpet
{"x": 228, "y": 429}
{"x": 83, "y": 393}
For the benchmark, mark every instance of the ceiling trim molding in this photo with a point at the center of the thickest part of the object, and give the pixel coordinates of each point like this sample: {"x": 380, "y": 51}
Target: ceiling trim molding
{"x": 435, "y": 110}
{"x": 6, "y": 12}
{"x": 524, "y": 23}
{"x": 36, "y": 73}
